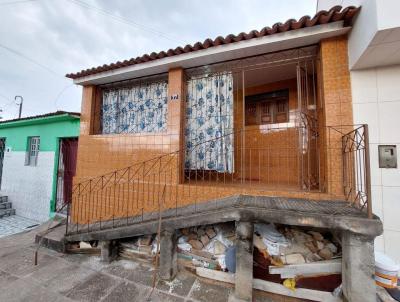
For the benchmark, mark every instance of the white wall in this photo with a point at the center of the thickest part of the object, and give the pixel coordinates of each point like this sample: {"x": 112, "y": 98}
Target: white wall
{"x": 28, "y": 188}
{"x": 375, "y": 37}
{"x": 376, "y": 102}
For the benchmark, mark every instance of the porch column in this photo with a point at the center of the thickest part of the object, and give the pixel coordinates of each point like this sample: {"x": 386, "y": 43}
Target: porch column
{"x": 176, "y": 115}
{"x": 244, "y": 263}
{"x": 358, "y": 268}
{"x": 168, "y": 255}
{"x": 335, "y": 110}
{"x": 90, "y": 111}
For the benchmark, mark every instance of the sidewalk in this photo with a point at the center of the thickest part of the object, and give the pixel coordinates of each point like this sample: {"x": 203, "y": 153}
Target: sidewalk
{"x": 15, "y": 224}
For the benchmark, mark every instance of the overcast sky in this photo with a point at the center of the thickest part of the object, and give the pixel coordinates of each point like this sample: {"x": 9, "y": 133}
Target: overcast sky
{"x": 42, "y": 40}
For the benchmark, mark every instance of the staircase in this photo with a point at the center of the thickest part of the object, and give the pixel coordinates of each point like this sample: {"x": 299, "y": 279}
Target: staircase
{"x": 6, "y": 207}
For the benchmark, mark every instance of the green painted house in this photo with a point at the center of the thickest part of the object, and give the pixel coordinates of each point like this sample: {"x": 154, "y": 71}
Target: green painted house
{"x": 37, "y": 162}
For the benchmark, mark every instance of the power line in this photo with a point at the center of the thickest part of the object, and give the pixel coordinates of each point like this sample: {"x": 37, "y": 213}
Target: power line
{"x": 15, "y": 2}
{"x": 17, "y": 53}
{"x": 60, "y": 93}
{"x": 123, "y": 19}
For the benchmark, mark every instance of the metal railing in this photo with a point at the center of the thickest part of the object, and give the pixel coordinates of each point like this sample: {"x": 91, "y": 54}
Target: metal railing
{"x": 269, "y": 158}
{"x": 356, "y": 168}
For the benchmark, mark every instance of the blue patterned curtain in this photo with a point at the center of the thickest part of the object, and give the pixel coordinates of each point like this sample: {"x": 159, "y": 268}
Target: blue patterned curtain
{"x": 138, "y": 109}
{"x": 209, "y": 123}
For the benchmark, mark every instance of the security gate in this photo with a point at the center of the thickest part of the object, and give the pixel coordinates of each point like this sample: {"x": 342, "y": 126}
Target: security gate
{"x": 66, "y": 171}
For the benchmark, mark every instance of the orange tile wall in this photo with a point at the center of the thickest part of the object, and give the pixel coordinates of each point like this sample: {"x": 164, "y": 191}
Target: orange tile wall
{"x": 99, "y": 154}
{"x": 337, "y": 112}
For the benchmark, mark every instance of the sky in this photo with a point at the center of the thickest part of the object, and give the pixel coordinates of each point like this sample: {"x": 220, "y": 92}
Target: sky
{"x": 42, "y": 40}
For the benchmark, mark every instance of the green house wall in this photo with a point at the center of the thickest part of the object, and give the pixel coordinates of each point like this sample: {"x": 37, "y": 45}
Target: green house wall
{"x": 50, "y": 129}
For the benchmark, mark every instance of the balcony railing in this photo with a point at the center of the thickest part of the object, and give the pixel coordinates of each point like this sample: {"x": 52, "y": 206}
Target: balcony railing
{"x": 263, "y": 161}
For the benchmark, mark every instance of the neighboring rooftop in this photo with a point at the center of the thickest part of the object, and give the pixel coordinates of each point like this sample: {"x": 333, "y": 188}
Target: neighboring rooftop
{"x": 323, "y": 17}
{"x": 45, "y": 116}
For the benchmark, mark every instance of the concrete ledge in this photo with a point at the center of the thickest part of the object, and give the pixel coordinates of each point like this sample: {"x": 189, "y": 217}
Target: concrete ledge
{"x": 334, "y": 215}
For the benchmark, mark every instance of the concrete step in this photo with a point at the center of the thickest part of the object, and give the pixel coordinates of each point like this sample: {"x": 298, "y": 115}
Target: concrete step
{"x": 3, "y": 199}
{"x": 5, "y": 205}
{"x": 53, "y": 238}
{"x": 7, "y": 212}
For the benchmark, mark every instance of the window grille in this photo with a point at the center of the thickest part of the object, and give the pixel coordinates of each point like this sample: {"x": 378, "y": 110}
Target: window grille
{"x": 140, "y": 108}
{"x": 32, "y": 153}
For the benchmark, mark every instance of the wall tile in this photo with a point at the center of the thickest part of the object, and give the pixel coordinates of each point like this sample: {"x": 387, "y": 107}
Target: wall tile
{"x": 391, "y": 208}
{"x": 389, "y": 128}
{"x": 376, "y": 173}
{"x": 364, "y": 87}
{"x": 387, "y": 81}
{"x": 379, "y": 243}
{"x": 367, "y": 113}
{"x": 377, "y": 202}
{"x": 392, "y": 244}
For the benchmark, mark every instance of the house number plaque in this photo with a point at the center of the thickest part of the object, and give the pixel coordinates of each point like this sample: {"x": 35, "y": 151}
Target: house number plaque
{"x": 174, "y": 97}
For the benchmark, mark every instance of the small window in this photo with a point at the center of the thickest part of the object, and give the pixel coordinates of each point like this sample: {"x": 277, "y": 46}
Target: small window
{"x": 33, "y": 151}
{"x": 267, "y": 108}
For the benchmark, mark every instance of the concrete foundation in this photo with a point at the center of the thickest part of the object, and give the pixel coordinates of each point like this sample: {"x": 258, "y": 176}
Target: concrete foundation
{"x": 244, "y": 263}
{"x": 358, "y": 268}
{"x": 108, "y": 251}
{"x": 168, "y": 255}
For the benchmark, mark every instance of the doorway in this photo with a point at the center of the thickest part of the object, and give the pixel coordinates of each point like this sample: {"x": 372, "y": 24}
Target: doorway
{"x": 66, "y": 171}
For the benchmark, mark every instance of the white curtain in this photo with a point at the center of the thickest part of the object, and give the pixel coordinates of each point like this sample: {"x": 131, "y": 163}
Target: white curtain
{"x": 209, "y": 123}
{"x": 137, "y": 109}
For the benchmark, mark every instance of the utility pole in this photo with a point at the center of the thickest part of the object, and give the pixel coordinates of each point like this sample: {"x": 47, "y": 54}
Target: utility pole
{"x": 20, "y": 104}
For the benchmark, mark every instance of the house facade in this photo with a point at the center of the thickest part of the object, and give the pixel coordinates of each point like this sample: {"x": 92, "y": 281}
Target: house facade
{"x": 374, "y": 64}
{"x": 230, "y": 109}
{"x": 38, "y": 157}
{"x": 251, "y": 127}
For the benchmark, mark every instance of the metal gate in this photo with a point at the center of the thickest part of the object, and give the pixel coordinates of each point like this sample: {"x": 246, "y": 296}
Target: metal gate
{"x": 66, "y": 171}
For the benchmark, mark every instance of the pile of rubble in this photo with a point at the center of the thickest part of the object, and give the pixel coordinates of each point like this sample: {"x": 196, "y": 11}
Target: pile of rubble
{"x": 206, "y": 246}
{"x": 306, "y": 258}
{"x": 281, "y": 245}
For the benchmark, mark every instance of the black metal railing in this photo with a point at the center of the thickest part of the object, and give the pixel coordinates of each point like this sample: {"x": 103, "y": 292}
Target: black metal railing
{"x": 274, "y": 159}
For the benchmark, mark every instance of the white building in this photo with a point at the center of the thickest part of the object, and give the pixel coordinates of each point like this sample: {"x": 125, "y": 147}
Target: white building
{"x": 374, "y": 62}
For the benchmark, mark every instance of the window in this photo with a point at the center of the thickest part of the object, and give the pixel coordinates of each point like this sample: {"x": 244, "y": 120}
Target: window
{"x": 267, "y": 108}
{"x": 33, "y": 151}
{"x": 139, "y": 108}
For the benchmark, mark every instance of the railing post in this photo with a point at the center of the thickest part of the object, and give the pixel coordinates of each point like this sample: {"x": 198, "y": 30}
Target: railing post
{"x": 367, "y": 172}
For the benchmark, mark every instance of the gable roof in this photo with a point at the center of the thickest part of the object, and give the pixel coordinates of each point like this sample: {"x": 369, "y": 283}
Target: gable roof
{"x": 323, "y": 17}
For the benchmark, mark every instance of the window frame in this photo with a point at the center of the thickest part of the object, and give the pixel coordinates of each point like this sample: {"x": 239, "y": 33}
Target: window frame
{"x": 271, "y": 101}
{"x": 31, "y": 159}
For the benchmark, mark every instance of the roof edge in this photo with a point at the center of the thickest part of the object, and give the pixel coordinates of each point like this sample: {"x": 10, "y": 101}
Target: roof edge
{"x": 335, "y": 14}
{"x": 41, "y": 119}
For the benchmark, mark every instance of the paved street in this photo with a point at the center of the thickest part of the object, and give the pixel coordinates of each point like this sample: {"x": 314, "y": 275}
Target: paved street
{"x": 59, "y": 277}
{"x": 14, "y": 224}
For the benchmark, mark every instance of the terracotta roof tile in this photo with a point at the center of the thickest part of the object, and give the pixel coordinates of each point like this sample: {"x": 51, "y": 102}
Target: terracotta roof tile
{"x": 323, "y": 17}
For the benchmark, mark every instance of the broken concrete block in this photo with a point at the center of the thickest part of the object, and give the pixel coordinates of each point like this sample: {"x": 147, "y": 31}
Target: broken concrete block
{"x": 210, "y": 233}
{"x": 325, "y": 253}
{"x": 185, "y": 231}
{"x": 196, "y": 244}
{"x": 201, "y": 232}
{"x": 316, "y": 235}
{"x": 294, "y": 259}
{"x": 192, "y": 236}
{"x": 204, "y": 239}
{"x": 219, "y": 248}
{"x": 319, "y": 245}
{"x": 311, "y": 247}
{"x": 332, "y": 247}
